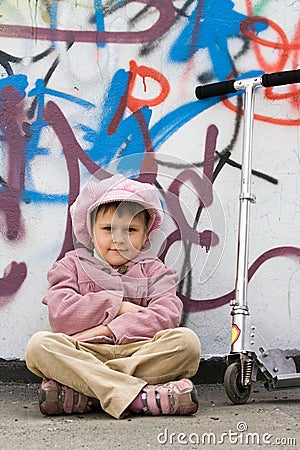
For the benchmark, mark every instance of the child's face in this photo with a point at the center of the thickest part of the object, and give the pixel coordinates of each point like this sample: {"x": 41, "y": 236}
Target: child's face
{"x": 119, "y": 239}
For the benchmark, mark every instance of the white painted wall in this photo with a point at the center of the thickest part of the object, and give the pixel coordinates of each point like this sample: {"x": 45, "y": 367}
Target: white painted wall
{"x": 86, "y": 72}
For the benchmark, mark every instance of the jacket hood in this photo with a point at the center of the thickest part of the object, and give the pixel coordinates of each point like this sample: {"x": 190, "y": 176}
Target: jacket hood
{"x": 115, "y": 188}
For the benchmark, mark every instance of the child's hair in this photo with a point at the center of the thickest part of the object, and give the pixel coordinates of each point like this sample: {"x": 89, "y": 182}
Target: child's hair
{"x": 120, "y": 207}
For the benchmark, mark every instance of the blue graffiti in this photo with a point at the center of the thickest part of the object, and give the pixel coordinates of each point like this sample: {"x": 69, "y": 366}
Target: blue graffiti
{"x": 99, "y": 19}
{"x": 210, "y": 26}
{"x": 127, "y": 139}
{"x": 17, "y": 81}
{"x": 20, "y": 83}
{"x": 53, "y": 19}
{"x": 176, "y": 119}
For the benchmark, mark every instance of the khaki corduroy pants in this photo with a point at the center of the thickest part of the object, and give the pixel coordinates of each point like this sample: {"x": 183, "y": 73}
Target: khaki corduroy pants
{"x": 114, "y": 374}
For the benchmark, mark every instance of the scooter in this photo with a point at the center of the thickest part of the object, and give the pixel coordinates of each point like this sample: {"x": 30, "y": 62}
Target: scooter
{"x": 250, "y": 356}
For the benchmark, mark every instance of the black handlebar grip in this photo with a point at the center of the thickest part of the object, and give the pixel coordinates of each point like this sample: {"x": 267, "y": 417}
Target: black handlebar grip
{"x": 215, "y": 89}
{"x": 281, "y": 78}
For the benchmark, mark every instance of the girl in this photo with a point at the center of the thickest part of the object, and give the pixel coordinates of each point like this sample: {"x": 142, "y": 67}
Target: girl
{"x": 114, "y": 313}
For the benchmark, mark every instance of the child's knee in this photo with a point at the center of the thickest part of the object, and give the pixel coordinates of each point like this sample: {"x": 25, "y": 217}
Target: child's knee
{"x": 185, "y": 341}
{"x": 188, "y": 351}
{"x": 190, "y": 342}
{"x": 35, "y": 345}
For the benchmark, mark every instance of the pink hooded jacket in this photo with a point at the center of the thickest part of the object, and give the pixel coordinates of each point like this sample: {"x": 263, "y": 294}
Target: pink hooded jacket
{"x": 86, "y": 291}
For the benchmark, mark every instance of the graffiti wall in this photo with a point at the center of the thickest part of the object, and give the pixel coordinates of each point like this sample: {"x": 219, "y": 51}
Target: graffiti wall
{"x": 96, "y": 86}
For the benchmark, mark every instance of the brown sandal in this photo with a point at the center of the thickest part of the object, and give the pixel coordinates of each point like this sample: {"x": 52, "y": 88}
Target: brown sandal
{"x": 55, "y": 398}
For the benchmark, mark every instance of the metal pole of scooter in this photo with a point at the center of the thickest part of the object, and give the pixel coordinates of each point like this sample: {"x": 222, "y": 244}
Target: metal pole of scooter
{"x": 240, "y": 310}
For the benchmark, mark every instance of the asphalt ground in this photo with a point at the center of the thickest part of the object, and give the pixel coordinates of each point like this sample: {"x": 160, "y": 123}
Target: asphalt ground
{"x": 268, "y": 420}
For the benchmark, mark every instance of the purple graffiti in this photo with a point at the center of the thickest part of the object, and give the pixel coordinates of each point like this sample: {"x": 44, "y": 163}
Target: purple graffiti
{"x": 161, "y": 26}
{"x": 14, "y": 276}
{"x": 197, "y": 305}
{"x": 11, "y": 119}
{"x": 203, "y": 188}
{"x": 73, "y": 154}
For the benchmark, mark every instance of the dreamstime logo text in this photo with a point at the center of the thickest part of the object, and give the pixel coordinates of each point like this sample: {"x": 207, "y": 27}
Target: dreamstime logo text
{"x": 239, "y": 437}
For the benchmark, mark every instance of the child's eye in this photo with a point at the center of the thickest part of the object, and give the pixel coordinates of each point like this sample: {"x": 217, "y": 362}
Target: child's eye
{"x": 131, "y": 229}
{"x": 107, "y": 228}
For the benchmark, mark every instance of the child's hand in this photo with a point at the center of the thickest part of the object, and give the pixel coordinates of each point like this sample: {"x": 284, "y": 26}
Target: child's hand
{"x": 129, "y": 307}
{"x": 99, "y": 330}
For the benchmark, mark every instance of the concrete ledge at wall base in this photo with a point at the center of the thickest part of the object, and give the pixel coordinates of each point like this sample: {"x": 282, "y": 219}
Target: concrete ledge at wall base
{"x": 210, "y": 371}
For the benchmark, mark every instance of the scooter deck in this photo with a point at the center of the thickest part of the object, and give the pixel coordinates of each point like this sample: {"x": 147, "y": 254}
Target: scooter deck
{"x": 286, "y": 381}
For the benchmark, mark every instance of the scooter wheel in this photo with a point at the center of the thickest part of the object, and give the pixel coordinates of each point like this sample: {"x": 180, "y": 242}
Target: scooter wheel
{"x": 235, "y": 391}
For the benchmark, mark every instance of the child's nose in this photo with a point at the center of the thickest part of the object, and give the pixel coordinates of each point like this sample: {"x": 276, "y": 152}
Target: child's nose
{"x": 118, "y": 236}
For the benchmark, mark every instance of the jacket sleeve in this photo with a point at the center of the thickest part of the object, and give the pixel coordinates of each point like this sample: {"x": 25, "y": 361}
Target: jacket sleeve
{"x": 163, "y": 310}
{"x": 70, "y": 311}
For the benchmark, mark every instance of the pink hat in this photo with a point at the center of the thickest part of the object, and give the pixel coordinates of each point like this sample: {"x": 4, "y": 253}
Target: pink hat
{"x": 116, "y": 188}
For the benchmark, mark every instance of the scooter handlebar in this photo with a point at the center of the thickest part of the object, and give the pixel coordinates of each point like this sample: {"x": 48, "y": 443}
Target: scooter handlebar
{"x": 281, "y": 78}
{"x": 267, "y": 80}
{"x": 215, "y": 89}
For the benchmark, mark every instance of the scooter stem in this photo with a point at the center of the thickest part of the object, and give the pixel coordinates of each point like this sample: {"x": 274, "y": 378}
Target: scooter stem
{"x": 246, "y": 197}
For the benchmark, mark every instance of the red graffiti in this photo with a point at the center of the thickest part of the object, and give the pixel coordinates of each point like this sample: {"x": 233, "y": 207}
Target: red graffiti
{"x": 286, "y": 50}
{"x": 134, "y": 103}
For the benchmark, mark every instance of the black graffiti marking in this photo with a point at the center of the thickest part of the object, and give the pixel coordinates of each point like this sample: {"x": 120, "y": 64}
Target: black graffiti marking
{"x": 6, "y": 59}
{"x": 258, "y": 174}
{"x": 245, "y": 47}
{"x": 32, "y": 109}
{"x": 3, "y": 182}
